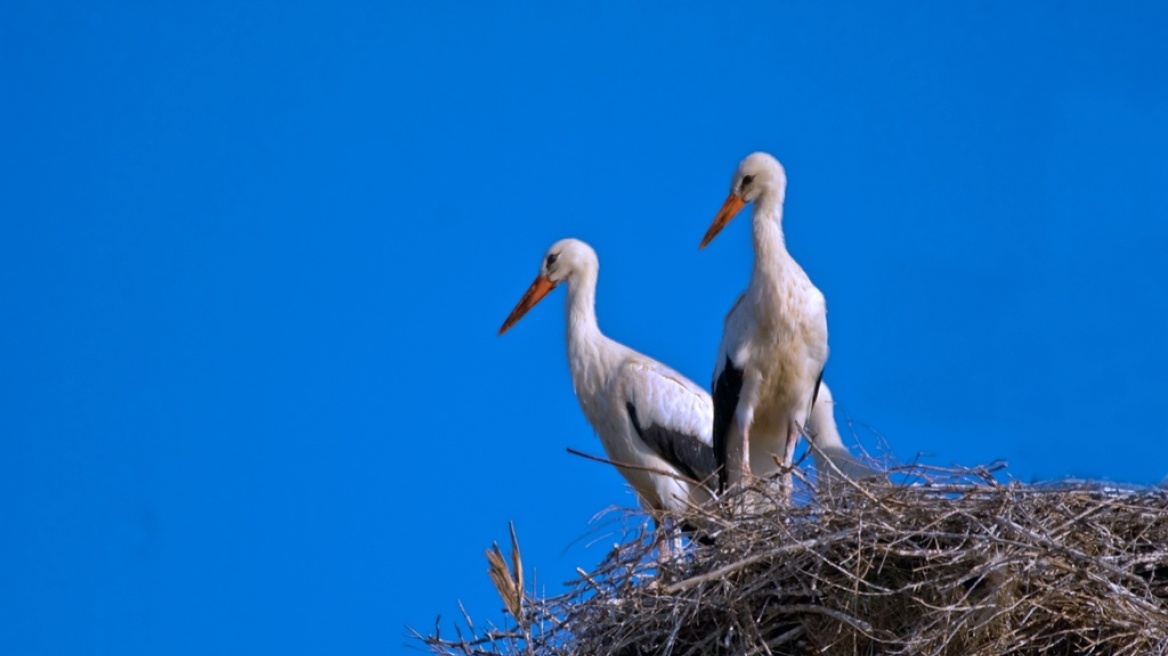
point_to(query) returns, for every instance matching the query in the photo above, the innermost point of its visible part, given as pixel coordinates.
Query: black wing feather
(726, 391)
(815, 393)
(687, 453)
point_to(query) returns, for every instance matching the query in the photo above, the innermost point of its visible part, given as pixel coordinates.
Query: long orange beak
(730, 208)
(533, 295)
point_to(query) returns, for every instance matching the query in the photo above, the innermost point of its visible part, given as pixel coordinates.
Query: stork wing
(672, 416)
(727, 383)
(727, 387)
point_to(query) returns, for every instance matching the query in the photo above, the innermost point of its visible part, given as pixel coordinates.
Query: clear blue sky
(255, 256)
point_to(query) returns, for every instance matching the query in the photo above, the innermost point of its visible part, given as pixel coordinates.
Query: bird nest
(943, 562)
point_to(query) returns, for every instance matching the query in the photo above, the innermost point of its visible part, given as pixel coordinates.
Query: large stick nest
(944, 562)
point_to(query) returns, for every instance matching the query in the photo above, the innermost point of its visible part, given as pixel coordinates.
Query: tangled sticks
(953, 563)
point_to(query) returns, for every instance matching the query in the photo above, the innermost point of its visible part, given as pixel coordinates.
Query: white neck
(771, 259)
(580, 304)
(587, 346)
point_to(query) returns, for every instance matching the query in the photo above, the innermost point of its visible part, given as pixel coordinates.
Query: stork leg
(738, 450)
(664, 544)
(793, 433)
(744, 464)
(735, 448)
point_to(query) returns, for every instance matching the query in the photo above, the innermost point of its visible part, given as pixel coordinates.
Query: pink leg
(738, 455)
(792, 442)
(664, 548)
(789, 459)
(746, 477)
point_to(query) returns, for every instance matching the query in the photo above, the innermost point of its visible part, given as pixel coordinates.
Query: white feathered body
(607, 377)
(777, 334)
(832, 459)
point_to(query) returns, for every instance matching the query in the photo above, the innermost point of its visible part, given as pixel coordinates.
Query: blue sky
(256, 256)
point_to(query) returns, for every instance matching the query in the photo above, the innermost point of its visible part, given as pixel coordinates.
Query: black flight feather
(687, 453)
(726, 391)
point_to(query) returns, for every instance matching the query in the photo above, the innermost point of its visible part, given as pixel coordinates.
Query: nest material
(951, 563)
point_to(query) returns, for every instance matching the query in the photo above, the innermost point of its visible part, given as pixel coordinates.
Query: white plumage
(833, 461)
(646, 414)
(774, 340)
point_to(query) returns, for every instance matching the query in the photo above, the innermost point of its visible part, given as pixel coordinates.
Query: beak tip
(730, 208)
(537, 291)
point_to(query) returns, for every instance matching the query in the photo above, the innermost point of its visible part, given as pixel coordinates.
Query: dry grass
(953, 562)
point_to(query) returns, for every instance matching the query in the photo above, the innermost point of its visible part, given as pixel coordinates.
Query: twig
(622, 465)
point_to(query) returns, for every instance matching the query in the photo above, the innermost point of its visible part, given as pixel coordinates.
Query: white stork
(774, 340)
(833, 461)
(646, 414)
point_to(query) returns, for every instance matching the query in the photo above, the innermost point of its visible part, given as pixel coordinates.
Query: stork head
(756, 175)
(566, 259)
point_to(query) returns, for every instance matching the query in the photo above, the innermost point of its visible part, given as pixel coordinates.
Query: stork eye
(747, 180)
(551, 259)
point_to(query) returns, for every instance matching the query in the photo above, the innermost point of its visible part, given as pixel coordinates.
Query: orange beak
(730, 208)
(533, 295)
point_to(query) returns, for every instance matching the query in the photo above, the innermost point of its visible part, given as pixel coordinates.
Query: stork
(774, 339)
(654, 423)
(833, 461)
